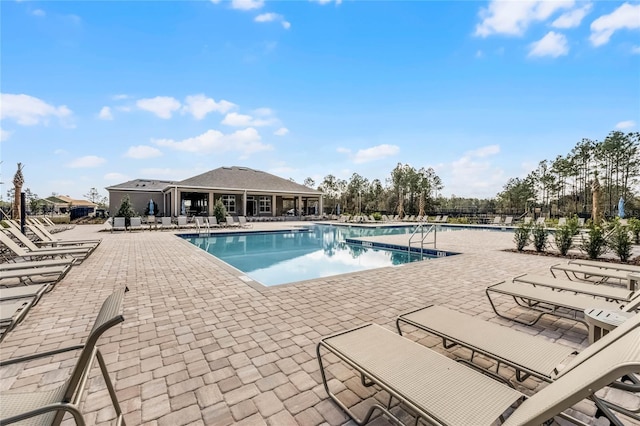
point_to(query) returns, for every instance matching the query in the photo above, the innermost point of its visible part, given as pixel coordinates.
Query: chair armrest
(40, 355)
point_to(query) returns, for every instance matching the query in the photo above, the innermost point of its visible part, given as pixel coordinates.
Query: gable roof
(146, 185)
(242, 178)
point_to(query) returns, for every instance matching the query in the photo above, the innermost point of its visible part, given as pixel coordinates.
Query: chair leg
(112, 391)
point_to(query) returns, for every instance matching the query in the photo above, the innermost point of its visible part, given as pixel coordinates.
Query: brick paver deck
(200, 346)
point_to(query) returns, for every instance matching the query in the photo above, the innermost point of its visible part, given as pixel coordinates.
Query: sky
(95, 93)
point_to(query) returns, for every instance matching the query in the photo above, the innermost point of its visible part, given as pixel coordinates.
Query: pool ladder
(430, 230)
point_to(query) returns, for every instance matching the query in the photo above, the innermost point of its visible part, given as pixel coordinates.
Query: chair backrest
(11, 245)
(497, 220)
(444, 219)
(213, 220)
(615, 360)
(44, 230)
(38, 233)
(562, 221)
(118, 222)
(200, 221)
(508, 220)
(166, 221)
(182, 220)
(108, 316)
(242, 220)
(229, 220)
(136, 222)
(540, 220)
(23, 239)
(527, 220)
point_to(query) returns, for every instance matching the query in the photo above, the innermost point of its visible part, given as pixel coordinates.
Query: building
(63, 204)
(243, 191)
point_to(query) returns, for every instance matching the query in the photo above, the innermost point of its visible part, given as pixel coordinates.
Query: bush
(377, 216)
(220, 211)
(521, 236)
(540, 236)
(574, 225)
(595, 245)
(564, 239)
(620, 242)
(634, 227)
(126, 210)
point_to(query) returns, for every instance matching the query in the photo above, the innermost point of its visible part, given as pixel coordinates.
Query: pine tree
(126, 210)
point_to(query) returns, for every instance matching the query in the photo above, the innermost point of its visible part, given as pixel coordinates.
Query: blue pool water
(273, 258)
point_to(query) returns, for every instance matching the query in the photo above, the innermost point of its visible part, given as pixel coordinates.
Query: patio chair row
(440, 391)
(32, 269)
(200, 223)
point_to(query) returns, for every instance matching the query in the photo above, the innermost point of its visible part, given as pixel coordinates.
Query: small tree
(595, 245)
(220, 211)
(126, 210)
(521, 236)
(540, 236)
(634, 227)
(564, 238)
(620, 242)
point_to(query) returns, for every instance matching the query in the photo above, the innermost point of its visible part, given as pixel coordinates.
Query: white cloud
(142, 151)
(572, 18)
(105, 114)
(281, 131)
(38, 12)
(552, 44)
(263, 112)
(247, 4)
(635, 50)
(245, 141)
(514, 17)
(120, 97)
(199, 106)
(28, 111)
(271, 17)
(116, 177)
(626, 124)
(323, 2)
(4, 134)
(243, 120)
(162, 106)
(624, 17)
(375, 153)
(474, 174)
(86, 162)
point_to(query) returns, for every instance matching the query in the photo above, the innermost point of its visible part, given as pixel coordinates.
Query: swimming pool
(280, 257)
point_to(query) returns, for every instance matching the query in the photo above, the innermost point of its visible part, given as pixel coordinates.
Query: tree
(94, 196)
(309, 182)
(220, 211)
(126, 210)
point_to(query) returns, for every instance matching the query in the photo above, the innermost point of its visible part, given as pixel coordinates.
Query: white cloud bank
(552, 44)
(142, 151)
(162, 106)
(572, 18)
(105, 114)
(29, 111)
(234, 119)
(86, 162)
(4, 135)
(247, 4)
(200, 105)
(245, 141)
(281, 131)
(273, 17)
(371, 154)
(514, 17)
(473, 174)
(628, 124)
(624, 17)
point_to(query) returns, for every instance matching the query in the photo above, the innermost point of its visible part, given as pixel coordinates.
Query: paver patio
(199, 346)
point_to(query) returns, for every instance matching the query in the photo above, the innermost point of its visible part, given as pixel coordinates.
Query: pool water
(273, 258)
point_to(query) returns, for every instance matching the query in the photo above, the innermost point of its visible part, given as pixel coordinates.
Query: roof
(146, 185)
(64, 199)
(241, 178)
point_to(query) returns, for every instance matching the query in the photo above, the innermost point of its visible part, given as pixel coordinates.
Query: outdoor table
(601, 321)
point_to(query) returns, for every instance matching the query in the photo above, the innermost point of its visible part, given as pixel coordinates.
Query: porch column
(176, 202)
(244, 203)
(320, 206)
(299, 205)
(211, 203)
(273, 205)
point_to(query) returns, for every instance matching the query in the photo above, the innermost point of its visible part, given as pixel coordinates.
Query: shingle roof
(244, 178)
(142, 185)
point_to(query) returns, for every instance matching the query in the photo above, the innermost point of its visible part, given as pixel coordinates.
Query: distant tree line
(559, 187)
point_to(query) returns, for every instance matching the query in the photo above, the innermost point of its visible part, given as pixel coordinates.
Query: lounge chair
(12, 312)
(581, 222)
(558, 303)
(119, 224)
(49, 406)
(22, 254)
(591, 273)
(444, 219)
(508, 221)
(231, 223)
(213, 222)
(135, 224)
(182, 223)
(47, 239)
(562, 221)
(9, 266)
(165, 223)
(540, 221)
(606, 265)
(201, 224)
(497, 220)
(151, 222)
(441, 391)
(242, 222)
(30, 245)
(26, 275)
(24, 292)
(605, 291)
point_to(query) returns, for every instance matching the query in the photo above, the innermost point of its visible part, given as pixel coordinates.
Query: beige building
(243, 191)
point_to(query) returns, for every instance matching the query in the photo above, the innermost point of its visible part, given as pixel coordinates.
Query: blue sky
(97, 93)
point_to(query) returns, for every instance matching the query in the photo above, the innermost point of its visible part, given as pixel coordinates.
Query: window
(229, 202)
(265, 204)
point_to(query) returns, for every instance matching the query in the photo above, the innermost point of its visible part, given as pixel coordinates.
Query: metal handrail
(424, 235)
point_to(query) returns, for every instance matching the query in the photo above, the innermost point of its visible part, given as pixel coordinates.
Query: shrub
(126, 210)
(564, 238)
(377, 216)
(574, 225)
(620, 242)
(595, 245)
(521, 236)
(220, 211)
(540, 236)
(634, 227)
